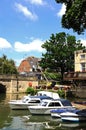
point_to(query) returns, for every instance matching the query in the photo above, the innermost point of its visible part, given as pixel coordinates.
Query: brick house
(28, 65)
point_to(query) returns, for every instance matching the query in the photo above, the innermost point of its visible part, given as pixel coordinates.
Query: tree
(59, 56)
(7, 66)
(75, 15)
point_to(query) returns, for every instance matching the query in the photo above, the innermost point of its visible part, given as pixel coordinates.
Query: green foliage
(7, 66)
(75, 15)
(59, 56)
(61, 93)
(53, 75)
(69, 94)
(30, 90)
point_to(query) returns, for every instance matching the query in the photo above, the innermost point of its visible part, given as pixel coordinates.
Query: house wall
(29, 64)
(80, 58)
(24, 66)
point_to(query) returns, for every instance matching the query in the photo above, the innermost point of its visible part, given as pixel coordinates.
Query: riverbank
(79, 106)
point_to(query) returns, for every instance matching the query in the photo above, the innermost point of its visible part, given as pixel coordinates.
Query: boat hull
(21, 106)
(40, 110)
(55, 113)
(73, 117)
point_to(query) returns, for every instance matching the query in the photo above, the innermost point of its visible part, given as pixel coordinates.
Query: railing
(75, 75)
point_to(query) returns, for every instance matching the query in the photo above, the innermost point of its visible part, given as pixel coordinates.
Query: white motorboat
(55, 113)
(53, 95)
(26, 101)
(32, 100)
(75, 116)
(47, 105)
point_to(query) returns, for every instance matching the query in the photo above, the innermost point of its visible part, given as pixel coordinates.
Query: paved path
(79, 106)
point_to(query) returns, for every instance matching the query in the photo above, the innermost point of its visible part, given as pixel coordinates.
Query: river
(23, 120)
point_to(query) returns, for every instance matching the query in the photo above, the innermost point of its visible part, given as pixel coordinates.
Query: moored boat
(75, 116)
(47, 105)
(26, 101)
(32, 100)
(55, 113)
(53, 95)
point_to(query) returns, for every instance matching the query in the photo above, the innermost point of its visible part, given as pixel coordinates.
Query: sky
(26, 24)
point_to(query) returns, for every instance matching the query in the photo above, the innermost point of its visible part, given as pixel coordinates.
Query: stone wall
(81, 93)
(21, 85)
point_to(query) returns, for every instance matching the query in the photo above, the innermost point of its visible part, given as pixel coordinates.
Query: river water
(23, 120)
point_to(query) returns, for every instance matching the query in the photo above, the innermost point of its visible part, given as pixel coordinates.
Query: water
(23, 120)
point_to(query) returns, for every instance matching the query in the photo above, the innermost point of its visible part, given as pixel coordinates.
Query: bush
(61, 93)
(30, 90)
(69, 94)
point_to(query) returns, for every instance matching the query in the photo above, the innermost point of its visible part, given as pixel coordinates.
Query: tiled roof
(33, 61)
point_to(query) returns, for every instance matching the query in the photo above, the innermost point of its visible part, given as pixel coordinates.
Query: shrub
(61, 93)
(30, 90)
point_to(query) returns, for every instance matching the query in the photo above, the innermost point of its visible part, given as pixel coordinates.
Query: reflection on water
(73, 125)
(47, 122)
(23, 120)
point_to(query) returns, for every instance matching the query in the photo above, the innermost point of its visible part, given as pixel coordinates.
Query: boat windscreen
(43, 103)
(66, 103)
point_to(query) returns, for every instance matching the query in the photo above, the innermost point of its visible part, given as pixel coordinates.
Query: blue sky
(26, 24)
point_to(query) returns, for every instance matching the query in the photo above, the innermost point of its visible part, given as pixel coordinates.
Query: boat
(74, 116)
(53, 95)
(55, 113)
(32, 100)
(26, 101)
(47, 105)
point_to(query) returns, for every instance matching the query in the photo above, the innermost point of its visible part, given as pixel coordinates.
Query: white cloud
(83, 41)
(18, 61)
(37, 2)
(4, 43)
(26, 12)
(62, 10)
(35, 45)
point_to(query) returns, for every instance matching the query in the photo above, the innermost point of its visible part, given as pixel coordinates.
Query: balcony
(75, 76)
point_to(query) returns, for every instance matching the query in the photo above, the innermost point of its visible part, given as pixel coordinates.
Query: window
(66, 103)
(83, 67)
(57, 104)
(34, 101)
(82, 56)
(43, 103)
(53, 104)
